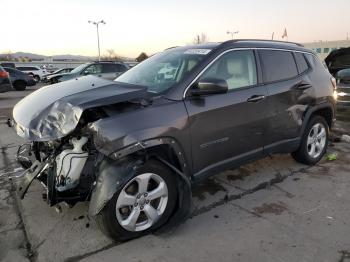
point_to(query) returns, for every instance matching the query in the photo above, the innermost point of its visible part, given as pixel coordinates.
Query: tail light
(4, 74)
(334, 83)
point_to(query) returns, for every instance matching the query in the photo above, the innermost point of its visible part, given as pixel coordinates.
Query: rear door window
(108, 68)
(301, 62)
(121, 68)
(278, 65)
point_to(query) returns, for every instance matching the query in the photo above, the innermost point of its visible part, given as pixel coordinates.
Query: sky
(52, 27)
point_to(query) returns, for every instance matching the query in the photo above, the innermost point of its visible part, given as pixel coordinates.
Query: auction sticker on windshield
(197, 51)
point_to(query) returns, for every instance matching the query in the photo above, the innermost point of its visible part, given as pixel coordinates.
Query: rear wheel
(314, 142)
(19, 85)
(143, 204)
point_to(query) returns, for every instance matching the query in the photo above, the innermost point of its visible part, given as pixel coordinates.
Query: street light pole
(232, 33)
(98, 35)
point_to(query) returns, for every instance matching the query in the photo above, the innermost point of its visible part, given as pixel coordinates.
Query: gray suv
(106, 70)
(135, 147)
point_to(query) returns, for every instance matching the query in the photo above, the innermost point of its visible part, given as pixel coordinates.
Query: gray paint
(208, 133)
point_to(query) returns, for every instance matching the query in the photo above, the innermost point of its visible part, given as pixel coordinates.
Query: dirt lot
(270, 210)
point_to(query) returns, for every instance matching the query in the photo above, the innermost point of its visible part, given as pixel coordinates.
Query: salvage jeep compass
(134, 146)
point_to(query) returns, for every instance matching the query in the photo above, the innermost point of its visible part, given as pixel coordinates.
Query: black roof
(106, 61)
(256, 43)
(250, 43)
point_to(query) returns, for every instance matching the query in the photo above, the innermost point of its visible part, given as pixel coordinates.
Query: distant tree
(141, 57)
(111, 55)
(8, 56)
(200, 39)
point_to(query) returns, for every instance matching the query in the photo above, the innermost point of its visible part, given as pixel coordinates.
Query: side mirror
(85, 73)
(210, 86)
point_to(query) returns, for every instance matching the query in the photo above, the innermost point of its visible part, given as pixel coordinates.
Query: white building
(323, 48)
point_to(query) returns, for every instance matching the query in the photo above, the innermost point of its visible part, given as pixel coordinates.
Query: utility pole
(232, 33)
(98, 35)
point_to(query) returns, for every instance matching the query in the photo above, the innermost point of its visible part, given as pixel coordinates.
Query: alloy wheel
(316, 140)
(142, 202)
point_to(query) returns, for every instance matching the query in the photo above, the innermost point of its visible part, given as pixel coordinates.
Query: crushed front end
(55, 120)
(64, 167)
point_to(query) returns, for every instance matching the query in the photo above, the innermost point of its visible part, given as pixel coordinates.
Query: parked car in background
(337, 60)
(19, 79)
(343, 89)
(134, 146)
(338, 63)
(35, 71)
(53, 77)
(106, 70)
(8, 64)
(5, 82)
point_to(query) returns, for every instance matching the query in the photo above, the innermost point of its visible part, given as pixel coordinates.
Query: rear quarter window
(278, 65)
(121, 68)
(315, 62)
(301, 62)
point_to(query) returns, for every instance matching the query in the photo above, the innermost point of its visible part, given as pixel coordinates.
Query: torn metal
(54, 111)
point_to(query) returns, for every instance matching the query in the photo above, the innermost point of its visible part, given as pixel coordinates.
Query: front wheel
(37, 78)
(143, 204)
(54, 80)
(314, 142)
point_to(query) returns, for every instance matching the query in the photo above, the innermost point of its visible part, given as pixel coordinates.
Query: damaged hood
(337, 60)
(54, 111)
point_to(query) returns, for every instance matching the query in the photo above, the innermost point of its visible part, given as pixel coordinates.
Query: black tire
(302, 155)
(54, 80)
(37, 78)
(107, 219)
(20, 85)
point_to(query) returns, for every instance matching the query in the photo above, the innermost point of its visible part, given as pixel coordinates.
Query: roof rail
(262, 40)
(170, 47)
(107, 61)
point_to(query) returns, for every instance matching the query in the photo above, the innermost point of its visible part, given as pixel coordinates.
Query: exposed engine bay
(65, 169)
(62, 154)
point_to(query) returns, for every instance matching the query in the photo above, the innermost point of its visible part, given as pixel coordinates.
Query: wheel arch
(325, 110)
(165, 149)
(116, 169)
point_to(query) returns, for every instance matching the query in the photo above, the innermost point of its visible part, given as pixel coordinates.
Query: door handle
(303, 85)
(255, 98)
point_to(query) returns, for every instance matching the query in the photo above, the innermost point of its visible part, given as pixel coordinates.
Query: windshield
(78, 69)
(163, 70)
(59, 71)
